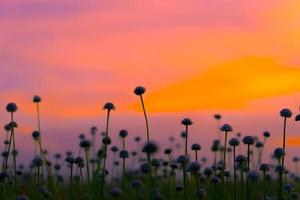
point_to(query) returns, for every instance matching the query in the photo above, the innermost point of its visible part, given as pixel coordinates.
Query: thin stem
(234, 172)
(87, 165)
(186, 140)
(224, 161)
(147, 126)
(283, 145)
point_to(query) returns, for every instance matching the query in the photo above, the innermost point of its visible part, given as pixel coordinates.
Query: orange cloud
(227, 86)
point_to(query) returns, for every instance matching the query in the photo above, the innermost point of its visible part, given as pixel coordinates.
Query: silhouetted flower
(259, 144)
(155, 162)
(208, 171)
(36, 99)
(248, 140)
(137, 138)
(168, 151)
(240, 159)
(136, 183)
(124, 154)
(279, 153)
(85, 144)
(196, 147)
(297, 118)
(266, 134)
(139, 90)
(145, 168)
(37, 162)
(11, 107)
(286, 113)
(217, 116)
(253, 176)
(186, 122)
(94, 130)
(194, 167)
(182, 159)
(109, 106)
(36, 135)
(106, 140)
(150, 148)
(264, 167)
(114, 149)
(226, 128)
(234, 142)
(123, 133)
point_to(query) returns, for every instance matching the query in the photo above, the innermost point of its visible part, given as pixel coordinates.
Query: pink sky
(237, 58)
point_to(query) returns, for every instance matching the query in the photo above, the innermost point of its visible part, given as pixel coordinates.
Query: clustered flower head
(139, 90)
(123, 133)
(286, 113)
(226, 128)
(11, 107)
(186, 122)
(249, 140)
(109, 106)
(234, 142)
(36, 99)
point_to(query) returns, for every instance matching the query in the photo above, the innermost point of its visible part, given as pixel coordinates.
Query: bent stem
(224, 162)
(147, 126)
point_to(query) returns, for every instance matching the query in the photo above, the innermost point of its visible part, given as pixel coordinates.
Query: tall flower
(85, 144)
(285, 113)
(225, 128)
(139, 91)
(36, 100)
(186, 122)
(106, 141)
(218, 118)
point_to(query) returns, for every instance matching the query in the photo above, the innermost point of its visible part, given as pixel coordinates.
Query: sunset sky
(195, 57)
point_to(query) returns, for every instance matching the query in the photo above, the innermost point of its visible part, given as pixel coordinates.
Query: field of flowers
(166, 175)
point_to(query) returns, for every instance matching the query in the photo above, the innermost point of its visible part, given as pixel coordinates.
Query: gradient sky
(195, 57)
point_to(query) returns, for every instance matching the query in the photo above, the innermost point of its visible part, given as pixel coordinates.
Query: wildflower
(114, 149)
(139, 90)
(279, 153)
(196, 147)
(85, 144)
(136, 183)
(253, 176)
(234, 142)
(36, 99)
(194, 167)
(266, 134)
(208, 171)
(123, 133)
(145, 168)
(109, 106)
(287, 113)
(150, 148)
(264, 167)
(248, 140)
(11, 107)
(36, 135)
(124, 154)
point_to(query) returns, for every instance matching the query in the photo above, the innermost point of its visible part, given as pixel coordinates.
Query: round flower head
(106, 140)
(173, 165)
(295, 159)
(182, 159)
(69, 153)
(70, 160)
(123, 133)
(136, 183)
(266, 134)
(264, 167)
(297, 118)
(289, 188)
(226, 128)
(94, 130)
(13, 124)
(145, 168)
(217, 116)
(279, 153)
(139, 90)
(137, 138)
(81, 136)
(57, 167)
(234, 142)
(124, 154)
(208, 171)
(109, 106)
(85, 144)
(259, 144)
(248, 140)
(36, 135)
(183, 134)
(37, 162)
(155, 162)
(168, 151)
(186, 122)
(11, 107)
(79, 162)
(279, 169)
(253, 176)
(36, 99)
(286, 113)
(201, 193)
(114, 149)
(240, 159)
(7, 127)
(196, 147)
(194, 167)
(150, 148)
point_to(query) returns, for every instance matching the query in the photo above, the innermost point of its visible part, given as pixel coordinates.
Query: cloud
(227, 86)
